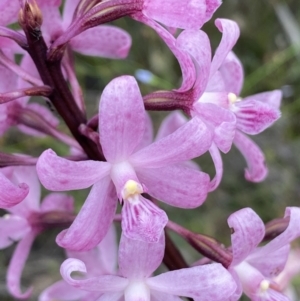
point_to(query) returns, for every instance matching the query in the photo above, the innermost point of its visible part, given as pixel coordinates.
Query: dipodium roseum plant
(134, 179)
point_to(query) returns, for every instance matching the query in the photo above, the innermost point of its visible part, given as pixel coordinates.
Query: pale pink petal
(184, 59)
(12, 229)
(104, 41)
(222, 123)
(257, 169)
(11, 194)
(108, 251)
(230, 33)
(103, 284)
(218, 162)
(176, 185)
(52, 23)
(93, 219)
(103, 258)
(16, 265)
(110, 297)
(9, 12)
(68, 11)
(254, 116)
(272, 98)
(211, 7)
(159, 296)
(139, 259)
(272, 264)
(187, 14)
(49, 3)
(148, 134)
(216, 84)
(239, 289)
(196, 43)
(143, 220)
(121, 118)
(170, 124)
(60, 174)
(27, 174)
(232, 73)
(189, 141)
(57, 202)
(292, 232)
(208, 282)
(62, 291)
(247, 230)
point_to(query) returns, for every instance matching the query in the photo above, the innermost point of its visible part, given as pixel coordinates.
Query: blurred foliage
(271, 61)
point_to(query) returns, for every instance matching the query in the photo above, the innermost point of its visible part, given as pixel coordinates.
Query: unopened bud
(30, 16)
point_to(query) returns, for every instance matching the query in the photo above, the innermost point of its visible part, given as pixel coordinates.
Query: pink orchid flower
(129, 171)
(98, 261)
(137, 261)
(253, 267)
(24, 222)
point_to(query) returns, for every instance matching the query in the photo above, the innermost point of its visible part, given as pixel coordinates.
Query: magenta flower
(129, 171)
(253, 267)
(137, 261)
(99, 261)
(24, 222)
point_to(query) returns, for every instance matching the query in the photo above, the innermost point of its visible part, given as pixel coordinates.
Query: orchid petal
(8, 12)
(272, 264)
(215, 84)
(93, 219)
(148, 134)
(272, 98)
(230, 34)
(103, 284)
(217, 159)
(143, 220)
(254, 116)
(184, 59)
(239, 289)
(104, 41)
(196, 43)
(221, 121)
(110, 297)
(189, 141)
(68, 12)
(52, 23)
(291, 232)
(248, 231)
(60, 174)
(176, 185)
(10, 193)
(170, 124)
(232, 73)
(211, 7)
(207, 282)
(121, 118)
(180, 14)
(31, 203)
(12, 228)
(57, 202)
(139, 259)
(159, 296)
(103, 258)
(62, 291)
(257, 169)
(16, 266)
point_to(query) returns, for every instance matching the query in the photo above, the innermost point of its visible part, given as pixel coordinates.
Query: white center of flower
(233, 98)
(264, 285)
(131, 191)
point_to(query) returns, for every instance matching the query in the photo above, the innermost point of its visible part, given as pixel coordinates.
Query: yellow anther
(264, 285)
(131, 188)
(232, 97)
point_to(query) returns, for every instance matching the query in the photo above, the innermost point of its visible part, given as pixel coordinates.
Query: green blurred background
(269, 48)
